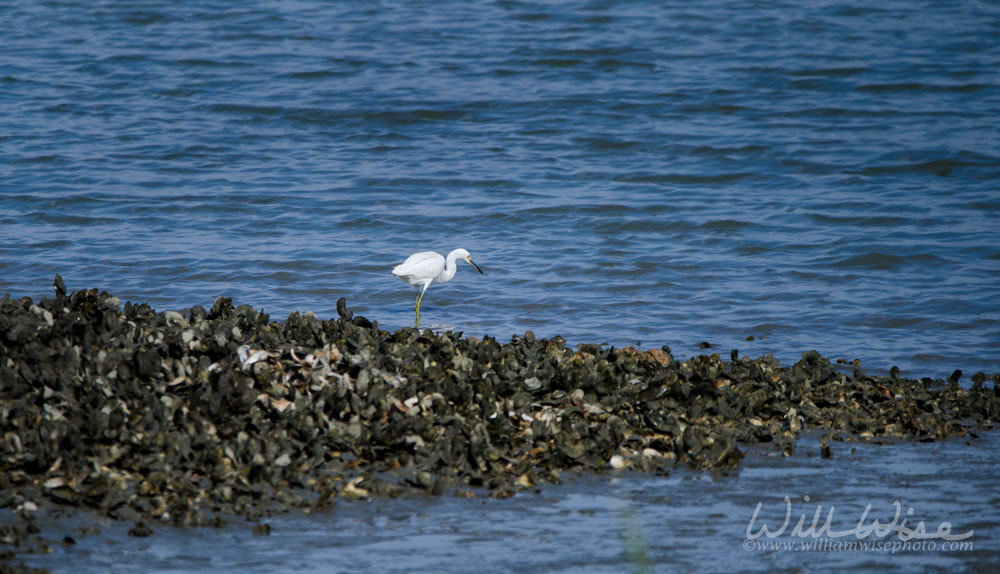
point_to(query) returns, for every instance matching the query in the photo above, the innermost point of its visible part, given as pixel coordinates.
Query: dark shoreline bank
(182, 417)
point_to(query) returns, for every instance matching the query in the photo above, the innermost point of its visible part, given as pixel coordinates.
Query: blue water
(823, 176)
(820, 175)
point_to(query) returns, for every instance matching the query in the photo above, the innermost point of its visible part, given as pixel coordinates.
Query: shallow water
(610, 523)
(820, 176)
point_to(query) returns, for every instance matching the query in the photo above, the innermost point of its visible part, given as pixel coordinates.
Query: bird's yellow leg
(419, 297)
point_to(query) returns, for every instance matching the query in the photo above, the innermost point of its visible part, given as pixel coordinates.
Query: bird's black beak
(476, 266)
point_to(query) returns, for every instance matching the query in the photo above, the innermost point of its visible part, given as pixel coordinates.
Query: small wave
(65, 219)
(198, 151)
(683, 179)
(58, 244)
(939, 167)
(126, 58)
(439, 183)
(921, 87)
(315, 75)
(727, 225)
(771, 327)
(717, 109)
(243, 109)
(611, 64)
(861, 221)
(282, 276)
(602, 144)
(886, 322)
(828, 112)
(40, 159)
(553, 62)
(932, 358)
(881, 261)
(643, 226)
(829, 72)
(748, 149)
(363, 223)
(176, 93)
(592, 209)
(885, 261)
(202, 63)
(985, 205)
(427, 114)
(388, 117)
(749, 250)
(147, 18)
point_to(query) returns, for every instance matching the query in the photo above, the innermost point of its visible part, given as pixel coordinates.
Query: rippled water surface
(821, 176)
(815, 175)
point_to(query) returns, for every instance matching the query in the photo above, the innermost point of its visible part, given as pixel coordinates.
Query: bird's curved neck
(449, 266)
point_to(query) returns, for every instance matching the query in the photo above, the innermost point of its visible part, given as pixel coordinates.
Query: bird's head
(463, 254)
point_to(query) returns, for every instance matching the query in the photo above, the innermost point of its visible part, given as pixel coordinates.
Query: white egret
(422, 269)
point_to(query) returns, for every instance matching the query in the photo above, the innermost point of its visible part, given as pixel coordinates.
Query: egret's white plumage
(422, 269)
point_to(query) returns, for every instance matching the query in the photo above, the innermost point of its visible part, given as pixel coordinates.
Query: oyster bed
(184, 417)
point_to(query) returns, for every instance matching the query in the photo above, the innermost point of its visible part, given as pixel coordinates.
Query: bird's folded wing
(426, 264)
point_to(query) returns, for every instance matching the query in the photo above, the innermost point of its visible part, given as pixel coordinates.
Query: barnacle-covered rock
(175, 416)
